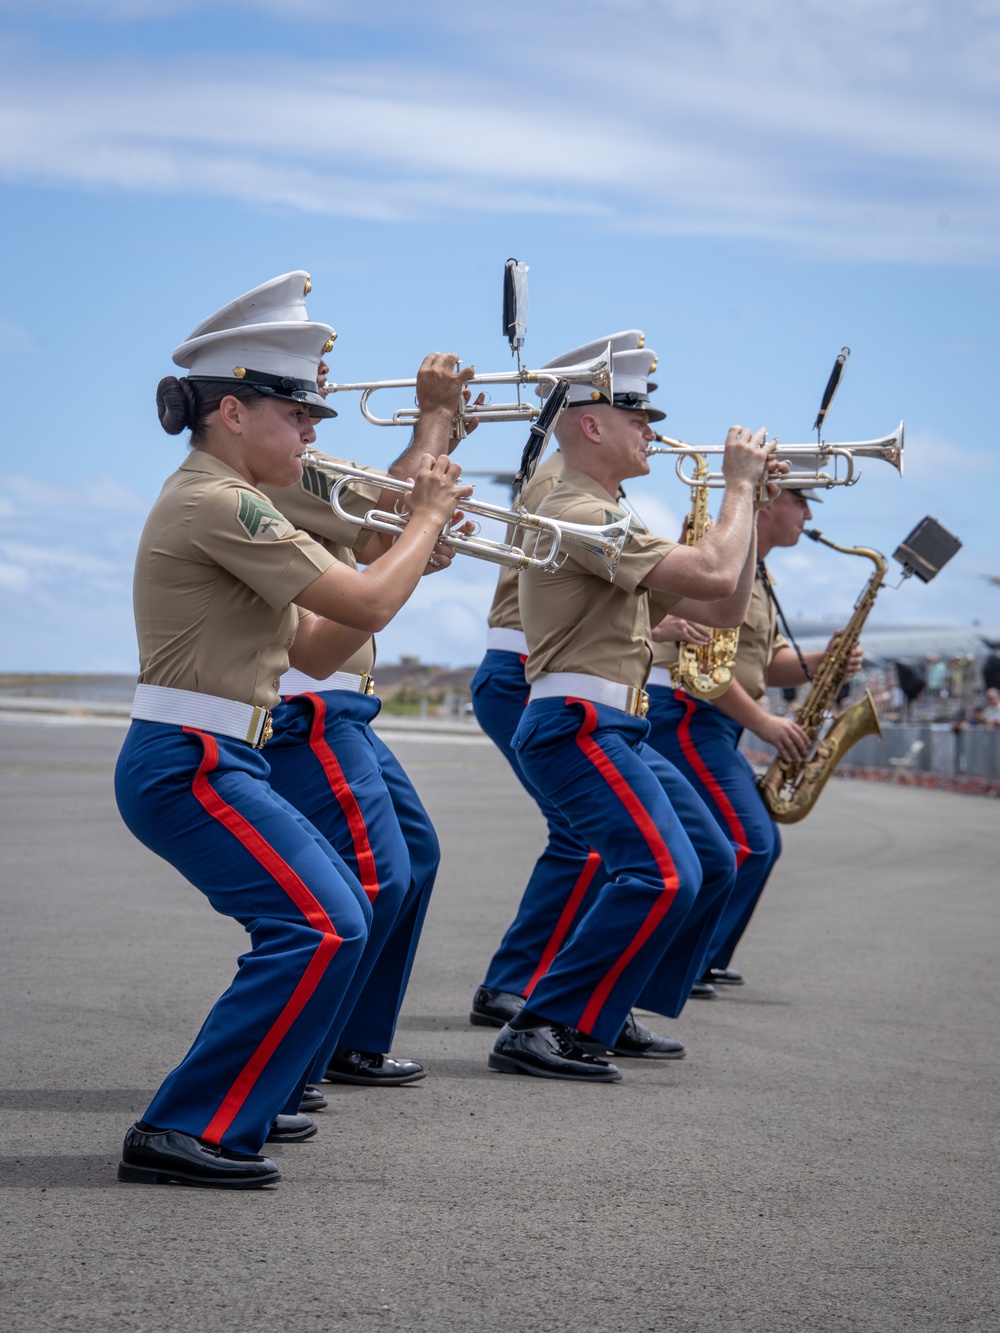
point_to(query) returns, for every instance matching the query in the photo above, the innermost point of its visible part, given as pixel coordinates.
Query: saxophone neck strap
(770, 594)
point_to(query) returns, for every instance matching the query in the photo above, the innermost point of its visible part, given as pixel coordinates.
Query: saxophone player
(702, 738)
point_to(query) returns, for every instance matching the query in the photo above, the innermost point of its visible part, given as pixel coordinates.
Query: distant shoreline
(103, 687)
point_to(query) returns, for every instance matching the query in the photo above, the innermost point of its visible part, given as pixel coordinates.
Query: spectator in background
(937, 679)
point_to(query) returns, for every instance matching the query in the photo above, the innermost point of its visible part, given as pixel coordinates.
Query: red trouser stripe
(654, 841)
(367, 870)
(565, 920)
(708, 779)
(282, 873)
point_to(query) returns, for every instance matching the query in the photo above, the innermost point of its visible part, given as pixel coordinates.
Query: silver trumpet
(808, 464)
(606, 542)
(596, 373)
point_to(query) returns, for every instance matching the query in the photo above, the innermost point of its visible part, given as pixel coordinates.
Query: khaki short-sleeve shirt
(216, 575)
(505, 612)
(759, 641)
(576, 619)
(307, 506)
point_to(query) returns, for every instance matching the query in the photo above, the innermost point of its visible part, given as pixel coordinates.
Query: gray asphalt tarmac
(824, 1159)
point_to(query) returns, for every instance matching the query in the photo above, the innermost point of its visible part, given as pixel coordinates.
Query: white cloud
(66, 557)
(864, 131)
(23, 495)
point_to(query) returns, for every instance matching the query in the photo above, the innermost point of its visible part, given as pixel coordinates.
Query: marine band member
(568, 872)
(702, 736)
(581, 738)
(221, 581)
(331, 765)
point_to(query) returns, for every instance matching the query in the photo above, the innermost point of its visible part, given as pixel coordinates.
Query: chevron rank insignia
(316, 483)
(260, 518)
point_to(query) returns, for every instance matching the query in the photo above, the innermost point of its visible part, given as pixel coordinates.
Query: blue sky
(754, 185)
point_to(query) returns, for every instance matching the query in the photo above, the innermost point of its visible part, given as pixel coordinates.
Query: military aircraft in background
(890, 643)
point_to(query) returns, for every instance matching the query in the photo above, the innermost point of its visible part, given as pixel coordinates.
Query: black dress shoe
(170, 1157)
(312, 1100)
(638, 1042)
(723, 976)
(635, 1042)
(493, 1008)
(701, 990)
(291, 1129)
(549, 1051)
(372, 1069)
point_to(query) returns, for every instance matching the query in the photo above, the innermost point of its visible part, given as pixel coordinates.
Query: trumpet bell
(597, 373)
(605, 542)
(888, 450)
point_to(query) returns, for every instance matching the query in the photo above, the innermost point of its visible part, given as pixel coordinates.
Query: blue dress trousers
(704, 744)
(203, 803)
(643, 938)
(568, 872)
(328, 762)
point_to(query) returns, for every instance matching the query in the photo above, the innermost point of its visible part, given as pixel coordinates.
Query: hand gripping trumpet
(596, 373)
(554, 538)
(807, 463)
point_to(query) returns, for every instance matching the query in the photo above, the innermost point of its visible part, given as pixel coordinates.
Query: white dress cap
(279, 359)
(626, 341)
(630, 369)
(278, 301)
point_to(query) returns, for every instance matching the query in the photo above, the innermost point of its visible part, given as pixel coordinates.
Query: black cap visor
(285, 387)
(638, 402)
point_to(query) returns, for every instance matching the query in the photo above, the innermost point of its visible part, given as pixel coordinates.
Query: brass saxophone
(704, 670)
(791, 787)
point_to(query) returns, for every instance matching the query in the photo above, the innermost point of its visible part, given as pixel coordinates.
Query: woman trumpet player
(701, 737)
(227, 593)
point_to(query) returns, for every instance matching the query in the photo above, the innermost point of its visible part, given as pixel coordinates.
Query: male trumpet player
(702, 737)
(581, 738)
(569, 871)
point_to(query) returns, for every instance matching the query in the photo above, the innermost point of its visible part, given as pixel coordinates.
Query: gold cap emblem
(595, 396)
(308, 287)
(328, 345)
(240, 372)
(642, 341)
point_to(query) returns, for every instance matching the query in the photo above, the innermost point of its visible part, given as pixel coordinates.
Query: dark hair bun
(176, 404)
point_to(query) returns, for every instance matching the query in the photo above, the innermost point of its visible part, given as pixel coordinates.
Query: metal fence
(969, 752)
(972, 752)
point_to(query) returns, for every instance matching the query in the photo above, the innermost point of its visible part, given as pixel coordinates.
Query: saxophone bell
(790, 787)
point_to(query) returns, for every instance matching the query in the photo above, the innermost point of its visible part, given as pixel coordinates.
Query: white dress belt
(205, 712)
(557, 684)
(507, 641)
(297, 682)
(660, 676)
